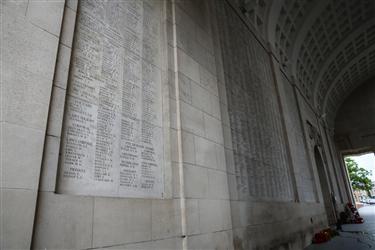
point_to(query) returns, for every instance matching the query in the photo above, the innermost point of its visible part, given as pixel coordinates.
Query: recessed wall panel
(112, 142)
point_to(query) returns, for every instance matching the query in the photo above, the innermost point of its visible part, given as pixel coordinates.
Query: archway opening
(361, 170)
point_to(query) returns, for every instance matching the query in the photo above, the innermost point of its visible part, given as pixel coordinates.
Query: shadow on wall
(355, 121)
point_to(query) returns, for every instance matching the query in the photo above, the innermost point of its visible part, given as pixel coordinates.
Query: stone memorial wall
(259, 149)
(113, 126)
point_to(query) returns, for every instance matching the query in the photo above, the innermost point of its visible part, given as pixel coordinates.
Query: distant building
(361, 195)
(372, 192)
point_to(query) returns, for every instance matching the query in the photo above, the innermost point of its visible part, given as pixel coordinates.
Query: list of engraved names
(112, 138)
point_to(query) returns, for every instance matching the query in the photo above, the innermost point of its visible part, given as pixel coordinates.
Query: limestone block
(166, 218)
(13, 7)
(192, 119)
(119, 221)
(196, 181)
(205, 39)
(223, 240)
(185, 21)
(50, 163)
(225, 114)
(188, 150)
(185, 37)
(168, 168)
(67, 29)
(201, 98)
(63, 222)
(220, 158)
(197, 10)
(217, 185)
(26, 99)
(213, 129)
(227, 135)
(46, 14)
(222, 92)
(56, 113)
(29, 57)
(73, 4)
(262, 212)
(200, 241)
(1, 102)
(200, 55)
(208, 81)
(170, 33)
(226, 214)
(240, 239)
(211, 214)
(174, 243)
(205, 59)
(229, 159)
(192, 216)
(188, 66)
(148, 245)
(215, 105)
(62, 66)
(169, 6)
(232, 184)
(205, 152)
(17, 218)
(168, 244)
(21, 156)
(185, 88)
(240, 218)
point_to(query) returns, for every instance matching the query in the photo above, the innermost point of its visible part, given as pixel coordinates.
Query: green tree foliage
(358, 176)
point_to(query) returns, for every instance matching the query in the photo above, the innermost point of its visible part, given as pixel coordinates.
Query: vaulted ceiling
(326, 46)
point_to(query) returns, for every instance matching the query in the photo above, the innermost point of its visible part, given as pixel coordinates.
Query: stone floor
(354, 236)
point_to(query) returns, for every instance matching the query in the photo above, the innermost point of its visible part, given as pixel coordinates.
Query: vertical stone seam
(308, 153)
(324, 134)
(92, 221)
(179, 130)
(2, 240)
(220, 70)
(49, 113)
(334, 163)
(285, 133)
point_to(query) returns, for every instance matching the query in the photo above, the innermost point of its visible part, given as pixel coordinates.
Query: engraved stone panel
(261, 163)
(113, 138)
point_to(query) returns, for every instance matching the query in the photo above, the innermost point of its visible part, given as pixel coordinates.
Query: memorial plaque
(260, 160)
(112, 143)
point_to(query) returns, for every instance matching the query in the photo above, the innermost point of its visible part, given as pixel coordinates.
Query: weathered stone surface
(223, 129)
(46, 14)
(17, 218)
(49, 169)
(196, 179)
(67, 29)
(119, 221)
(113, 139)
(62, 66)
(166, 218)
(55, 117)
(71, 217)
(261, 162)
(21, 156)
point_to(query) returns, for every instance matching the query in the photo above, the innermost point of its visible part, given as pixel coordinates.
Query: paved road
(354, 236)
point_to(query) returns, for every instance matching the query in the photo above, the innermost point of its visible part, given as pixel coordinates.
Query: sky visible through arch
(366, 161)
